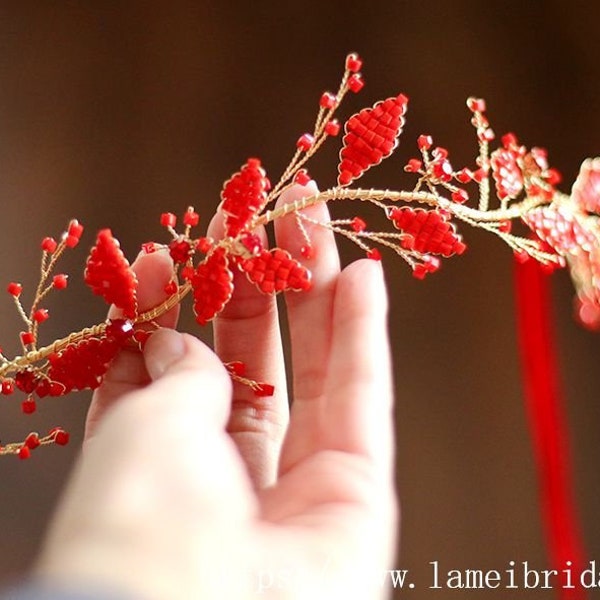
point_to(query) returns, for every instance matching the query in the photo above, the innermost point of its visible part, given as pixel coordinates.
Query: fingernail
(164, 348)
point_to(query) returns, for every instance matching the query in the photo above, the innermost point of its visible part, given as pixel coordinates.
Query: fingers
(357, 409)
(310, 323)
(247, 330)
(127, 372)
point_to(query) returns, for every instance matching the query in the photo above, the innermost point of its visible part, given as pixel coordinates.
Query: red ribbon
(549, 431)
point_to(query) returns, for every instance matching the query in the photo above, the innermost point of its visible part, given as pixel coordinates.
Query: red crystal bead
(14, 289)
(374, 254)
(60, 281)
(307, 251)
(328, 100)
(8, 387)
(505, 226)
(305, 142)
(464, 175)
(480, 175)
(553, 177)
(356, 82)
(40, 315)
(302, 177)
(460, 196)
(332, 128)
(353, 62)
(419, 271)
(180, 250)
(191, 218)
(358, 224)
(49, 244)
(237, 367)
(61, 437)
(28, 406)
(71, 241)
(521, 256)
(32, 441)
(442, 170)
(264, 389)
(168, 220)
(26, 380)
(75, 229)
(476, 104)
(24, 452)
(509, 140)
(171, 288)
(27, 337)
(119, 330)
(413, 165)
(204, 244)
(424, 142)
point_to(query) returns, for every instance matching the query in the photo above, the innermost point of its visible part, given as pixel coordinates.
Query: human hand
(184, 492)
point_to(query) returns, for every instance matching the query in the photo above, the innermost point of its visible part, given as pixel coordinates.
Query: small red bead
(119, 329)
(353, 62)
(302, 177)
(41, 315)
(32, 441)
(49, 244)
(460, 196)
(204, 244)
(424, 142)
(24, 452)
(141, 336)
(264, 389)
(8, 387)
(75, 229)
(521, 256)
(332, 128)
(553, 176)
(191, 218)
(327, 100)
(148, 247)
(307, 251)
(60, 281)
(61, 437)
(480, 175)
(28, 406)
(374, 254)
(14, 289)
(187, 272)
(432, 263)
(180, 250)
(487, 135)
(27, 337)
(356, 83)
(413, 166)
(464, 175)
(440, 152)
(442, 170)
(419, 271)
(408, 242)
(71, 241)
(509, 140)
(305, 142)
(358, 224)
(171, 288)
(168, 220)
(476, 104)
(505, 226)
(237, 367)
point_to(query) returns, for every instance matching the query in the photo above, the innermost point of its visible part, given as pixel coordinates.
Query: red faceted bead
(332, 128)
(505, 226)
(509, 141)
(14, 289)
(553, 177)
(464, 175)
(353, 62)
(460, 196)
(356, 82)
(264, 389)
(237, 367)
(27, 337)
(26, 380)
(28, 406)
(41, 315)
(49, 244)
(328, 100)
(480, 175)
(305, 142)
(61, 437)
(71, 241)
(413, 166)
(191, 218)
(171, 288)
(424, 142)
(75, 229)
(180, 250)
(302, 177)
(119, 330)
(374, 254)
(371, 135)
(8, 387)
(476, 104)
(60, 281)
(442, 170)
(307, 251)
(168, 220)
(521, 256)
(32, 441)
(358, 224)
(419, 271)
(24, 452)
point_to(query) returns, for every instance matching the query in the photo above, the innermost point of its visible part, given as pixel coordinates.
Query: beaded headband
(559, 230)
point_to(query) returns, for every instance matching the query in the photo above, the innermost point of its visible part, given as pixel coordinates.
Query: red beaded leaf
(212, 282)
(506, 173)
(243, 196)
(371, 135)
(431, 231)
(109, 275)
(559, 227)
(586, 189)
(274, 271)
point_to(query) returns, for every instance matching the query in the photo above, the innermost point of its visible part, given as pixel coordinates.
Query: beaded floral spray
(563, 231)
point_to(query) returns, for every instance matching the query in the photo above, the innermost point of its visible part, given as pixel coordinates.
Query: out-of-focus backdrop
(115, 111)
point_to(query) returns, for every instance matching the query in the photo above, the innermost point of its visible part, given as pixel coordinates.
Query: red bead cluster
(108, 274)
(427, 231)
(243, 196)
(371, 136)
(274, 271)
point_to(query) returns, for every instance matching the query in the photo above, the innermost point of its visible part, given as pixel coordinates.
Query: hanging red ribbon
(549, 431)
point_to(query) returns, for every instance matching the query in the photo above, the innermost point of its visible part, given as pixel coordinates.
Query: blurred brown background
(117, 111)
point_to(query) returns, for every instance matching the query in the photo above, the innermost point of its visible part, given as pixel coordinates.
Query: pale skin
(189, 488)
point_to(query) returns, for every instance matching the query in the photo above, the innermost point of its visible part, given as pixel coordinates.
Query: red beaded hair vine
(563, 231)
